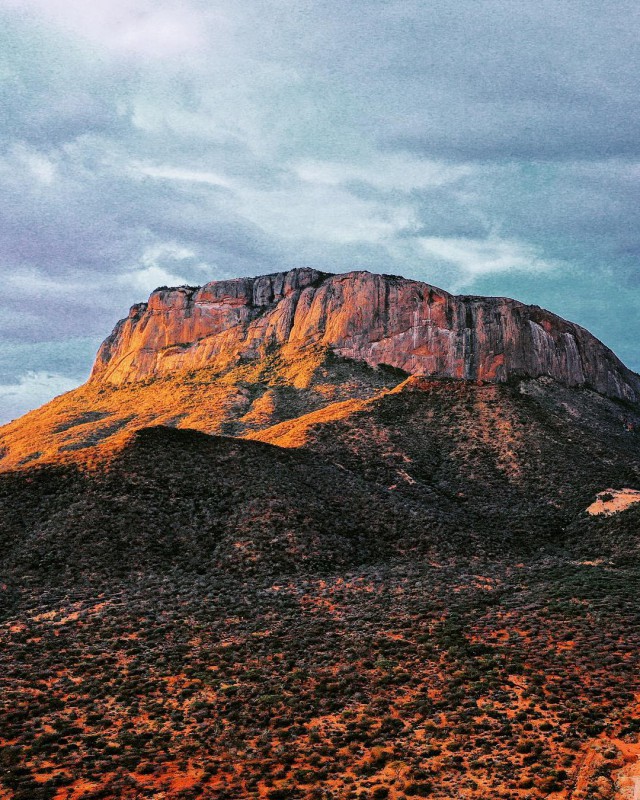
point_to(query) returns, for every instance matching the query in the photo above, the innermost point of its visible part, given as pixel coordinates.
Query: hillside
(427, 466)
(230, 402)
(412, 601)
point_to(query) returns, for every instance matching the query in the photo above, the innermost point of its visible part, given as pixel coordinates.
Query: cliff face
(378, 319)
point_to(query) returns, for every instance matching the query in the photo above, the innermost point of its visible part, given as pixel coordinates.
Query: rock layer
(378, 319)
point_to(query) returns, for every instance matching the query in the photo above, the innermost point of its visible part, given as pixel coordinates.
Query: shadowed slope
(429, 468)
(379, 612)
(530, 456)
(168, 498)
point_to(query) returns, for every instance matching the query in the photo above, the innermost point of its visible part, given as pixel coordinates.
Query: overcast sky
(484, 146)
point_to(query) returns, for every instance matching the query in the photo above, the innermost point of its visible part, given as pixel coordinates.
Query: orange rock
(378, 319)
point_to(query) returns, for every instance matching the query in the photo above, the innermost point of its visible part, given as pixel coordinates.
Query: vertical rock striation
(378, 319)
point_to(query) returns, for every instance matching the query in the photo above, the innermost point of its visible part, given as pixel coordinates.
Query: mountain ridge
(369, 317)
(239, 356)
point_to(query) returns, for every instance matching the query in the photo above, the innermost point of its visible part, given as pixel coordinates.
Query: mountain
(239, 355)
(311, 536)
(376, 319)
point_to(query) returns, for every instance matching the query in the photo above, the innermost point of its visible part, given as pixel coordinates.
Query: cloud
(476, 257)
(72, 357)
(161, 265)
(52, 90)
(38, 165)
(387, 172)
(181, 174)
(480, 82)
(143, 28)
(30, 391)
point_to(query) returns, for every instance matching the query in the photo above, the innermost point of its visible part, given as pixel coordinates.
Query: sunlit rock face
(378, 319)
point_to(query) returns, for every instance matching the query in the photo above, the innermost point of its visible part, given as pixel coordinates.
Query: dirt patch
(612, 501)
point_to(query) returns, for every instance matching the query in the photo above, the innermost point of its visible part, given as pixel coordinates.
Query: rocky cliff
(377, 319)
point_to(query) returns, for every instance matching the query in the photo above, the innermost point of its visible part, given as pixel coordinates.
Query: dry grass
(234, 401)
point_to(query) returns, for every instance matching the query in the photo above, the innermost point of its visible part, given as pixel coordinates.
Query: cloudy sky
(485, 146)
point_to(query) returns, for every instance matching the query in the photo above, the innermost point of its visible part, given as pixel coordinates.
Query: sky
(483, 146)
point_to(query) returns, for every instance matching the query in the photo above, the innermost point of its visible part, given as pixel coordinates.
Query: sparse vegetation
(414, 604)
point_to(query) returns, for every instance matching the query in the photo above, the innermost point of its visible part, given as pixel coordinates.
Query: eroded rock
(378, 319)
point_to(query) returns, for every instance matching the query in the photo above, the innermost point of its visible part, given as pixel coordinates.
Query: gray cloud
(53, 90)
(483, 80)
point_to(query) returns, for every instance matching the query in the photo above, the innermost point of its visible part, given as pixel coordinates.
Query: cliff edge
(377, 319)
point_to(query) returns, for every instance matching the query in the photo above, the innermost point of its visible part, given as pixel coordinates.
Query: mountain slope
(411, 601)
(528, 455)
(428, 468)
(167, 498)
(241, 399)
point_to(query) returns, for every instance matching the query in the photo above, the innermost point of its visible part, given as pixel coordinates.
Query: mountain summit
(376, 319)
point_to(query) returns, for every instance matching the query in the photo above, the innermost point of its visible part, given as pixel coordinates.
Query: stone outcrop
(378, 319)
